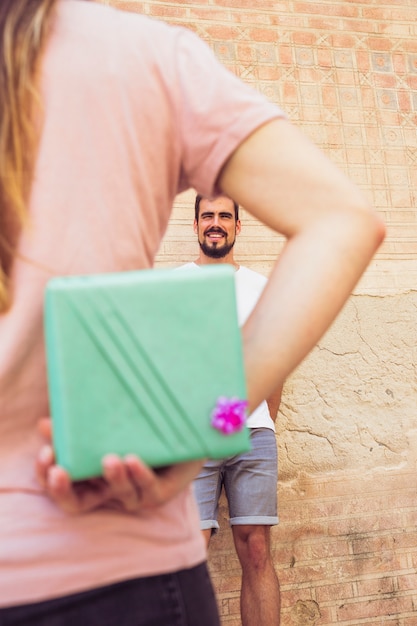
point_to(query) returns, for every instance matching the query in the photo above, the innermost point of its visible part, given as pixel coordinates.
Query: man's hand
(127, 484)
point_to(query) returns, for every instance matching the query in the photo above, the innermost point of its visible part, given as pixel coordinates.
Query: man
(249, 480)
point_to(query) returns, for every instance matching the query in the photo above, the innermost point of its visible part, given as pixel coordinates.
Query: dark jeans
(184, 598)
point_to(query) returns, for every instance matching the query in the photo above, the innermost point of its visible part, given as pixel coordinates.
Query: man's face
(216, 227)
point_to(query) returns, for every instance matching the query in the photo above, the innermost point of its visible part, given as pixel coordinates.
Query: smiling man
(250, 479)
(216, 224)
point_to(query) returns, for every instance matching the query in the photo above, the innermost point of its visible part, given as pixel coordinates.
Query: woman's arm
(288, 184)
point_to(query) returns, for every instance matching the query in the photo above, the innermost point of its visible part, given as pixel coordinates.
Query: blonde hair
(23, 28)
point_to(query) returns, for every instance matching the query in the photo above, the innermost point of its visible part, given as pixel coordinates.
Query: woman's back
(134, 112)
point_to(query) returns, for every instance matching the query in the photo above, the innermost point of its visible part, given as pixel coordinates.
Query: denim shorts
(250, 483)
(183, 598)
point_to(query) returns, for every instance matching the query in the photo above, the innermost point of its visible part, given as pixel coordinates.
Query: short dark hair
(200, 197)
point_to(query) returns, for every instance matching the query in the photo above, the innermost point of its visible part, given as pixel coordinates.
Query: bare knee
(252, 545)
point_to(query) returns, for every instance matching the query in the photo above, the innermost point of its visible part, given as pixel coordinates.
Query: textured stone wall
(352, 404)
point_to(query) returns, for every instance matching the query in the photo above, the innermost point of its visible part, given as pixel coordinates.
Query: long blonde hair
(23, 28)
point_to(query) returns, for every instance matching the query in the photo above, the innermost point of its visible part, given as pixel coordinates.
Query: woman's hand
(127, 484)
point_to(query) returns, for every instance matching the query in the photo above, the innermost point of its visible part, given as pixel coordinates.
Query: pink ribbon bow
(229, 415)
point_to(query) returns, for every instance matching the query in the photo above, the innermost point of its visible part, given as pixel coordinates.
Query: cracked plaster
(352, 403)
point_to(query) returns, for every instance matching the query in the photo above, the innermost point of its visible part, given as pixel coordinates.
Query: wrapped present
(146, 362)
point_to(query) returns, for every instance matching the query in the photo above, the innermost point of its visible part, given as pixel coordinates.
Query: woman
(105, 117)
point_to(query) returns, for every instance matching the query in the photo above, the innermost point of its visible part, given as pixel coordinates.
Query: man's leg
(260, 594)
(207, 532)
(207, 487)
(250, 481)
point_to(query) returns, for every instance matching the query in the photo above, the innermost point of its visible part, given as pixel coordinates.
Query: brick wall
(346, 72)
(345, 552)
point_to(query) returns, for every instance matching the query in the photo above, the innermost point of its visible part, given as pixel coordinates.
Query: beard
(214, 251)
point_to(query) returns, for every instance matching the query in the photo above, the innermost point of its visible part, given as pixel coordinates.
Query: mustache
(215, 229)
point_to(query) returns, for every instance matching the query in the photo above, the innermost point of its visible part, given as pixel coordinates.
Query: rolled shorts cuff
(209, 524)
(254, 520)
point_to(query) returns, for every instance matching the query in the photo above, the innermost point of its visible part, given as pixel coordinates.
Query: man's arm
(289, 185)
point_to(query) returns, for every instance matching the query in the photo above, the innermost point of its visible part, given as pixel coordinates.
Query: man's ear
(238, 227)
(195, 226)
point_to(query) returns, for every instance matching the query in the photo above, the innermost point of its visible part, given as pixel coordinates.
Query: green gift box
(137, 362)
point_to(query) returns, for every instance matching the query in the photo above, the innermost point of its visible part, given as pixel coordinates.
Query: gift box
(138, 362)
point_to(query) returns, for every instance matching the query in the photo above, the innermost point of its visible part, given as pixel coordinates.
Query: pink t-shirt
(135, 111)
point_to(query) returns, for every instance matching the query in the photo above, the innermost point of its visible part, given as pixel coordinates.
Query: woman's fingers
(76, 497)
(45, 428)
(122, 489)
(127, 484)
(159, 486)
(44, 462)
